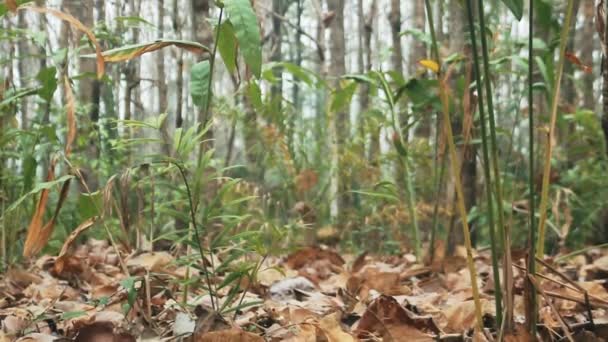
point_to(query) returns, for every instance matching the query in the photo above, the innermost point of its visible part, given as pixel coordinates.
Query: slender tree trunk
(161, 79)
(418, 52)
(23, 51)
(341, 121)
(587, 48)
(374, 143)
(179, 96)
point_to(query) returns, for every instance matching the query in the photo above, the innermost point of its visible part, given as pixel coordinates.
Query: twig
(563, 323)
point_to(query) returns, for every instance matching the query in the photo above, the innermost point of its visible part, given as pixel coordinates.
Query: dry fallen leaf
(330, 325)
(232, 335)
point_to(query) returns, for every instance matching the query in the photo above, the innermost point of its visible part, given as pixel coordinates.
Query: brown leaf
(61, 261)
(102, 332)
(307, 255)
(208, 321)
(306, 180)
(34, 231)
(11, 5)
(79, 26)
(386, 318)
(330, 325)
(232, 335)
(576, 61)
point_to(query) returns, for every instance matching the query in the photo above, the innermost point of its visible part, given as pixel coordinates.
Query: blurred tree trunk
(341, 121)
(202, 33)
(23, 53)
(457, 20)
(418, 52)
(179, 91)
(570, 96)
(295, 95)
(161, 78)
(88, 91)
(320, 69)
(394, 19)
(587, 48)
(374, 144)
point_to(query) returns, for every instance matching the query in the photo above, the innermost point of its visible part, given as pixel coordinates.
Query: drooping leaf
(199, 83)
(247, 31)
(227, 45)
(127, 52)
(516, 7)
(79, 26)
(48, 80)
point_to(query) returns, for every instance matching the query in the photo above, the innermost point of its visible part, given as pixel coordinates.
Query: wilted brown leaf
(232, 335)
(386, 318)
(330, 325)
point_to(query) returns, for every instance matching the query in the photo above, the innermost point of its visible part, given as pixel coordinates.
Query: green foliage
(247, 32)
(516, 7)
(199, 83)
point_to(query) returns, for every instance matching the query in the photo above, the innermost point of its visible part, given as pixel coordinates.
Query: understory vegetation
(428, 169)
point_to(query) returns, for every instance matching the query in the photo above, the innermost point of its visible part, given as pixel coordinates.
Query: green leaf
(16, 96)
(227, 45)
(341, 98)
(247, 32)
(48, 81)
(516, 7)
(199, 83)
(254, 93)
(39, 187)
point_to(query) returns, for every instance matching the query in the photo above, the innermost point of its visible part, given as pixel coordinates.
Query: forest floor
(313, 294)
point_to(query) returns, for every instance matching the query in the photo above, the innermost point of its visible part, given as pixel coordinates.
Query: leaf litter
(313, 294)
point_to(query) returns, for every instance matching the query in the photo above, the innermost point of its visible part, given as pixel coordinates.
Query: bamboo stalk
(443, 94)
(486, 159)
(544, 196)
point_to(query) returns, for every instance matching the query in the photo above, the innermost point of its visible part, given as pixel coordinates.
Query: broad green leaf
(227, 45)
(516, 7)
(48, 81)
(199, 83)
(341, 98)
(128, 52)
(247, 32)
(254, 93)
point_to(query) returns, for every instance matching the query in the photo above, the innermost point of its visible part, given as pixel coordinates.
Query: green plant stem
(199, 243)
(504, 229)
(440, 161)
(486, 159)
(580, 251)
(404, 160)
(544, 195)
(531, 315)
(203, 124)
(443, 93)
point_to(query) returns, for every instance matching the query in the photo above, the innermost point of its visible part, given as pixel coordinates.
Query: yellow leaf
(430, 64)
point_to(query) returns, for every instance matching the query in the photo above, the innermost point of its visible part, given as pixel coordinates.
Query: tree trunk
(587, 48)
(417, 53)
(341, 120)
(161, 79)
(374, 144)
